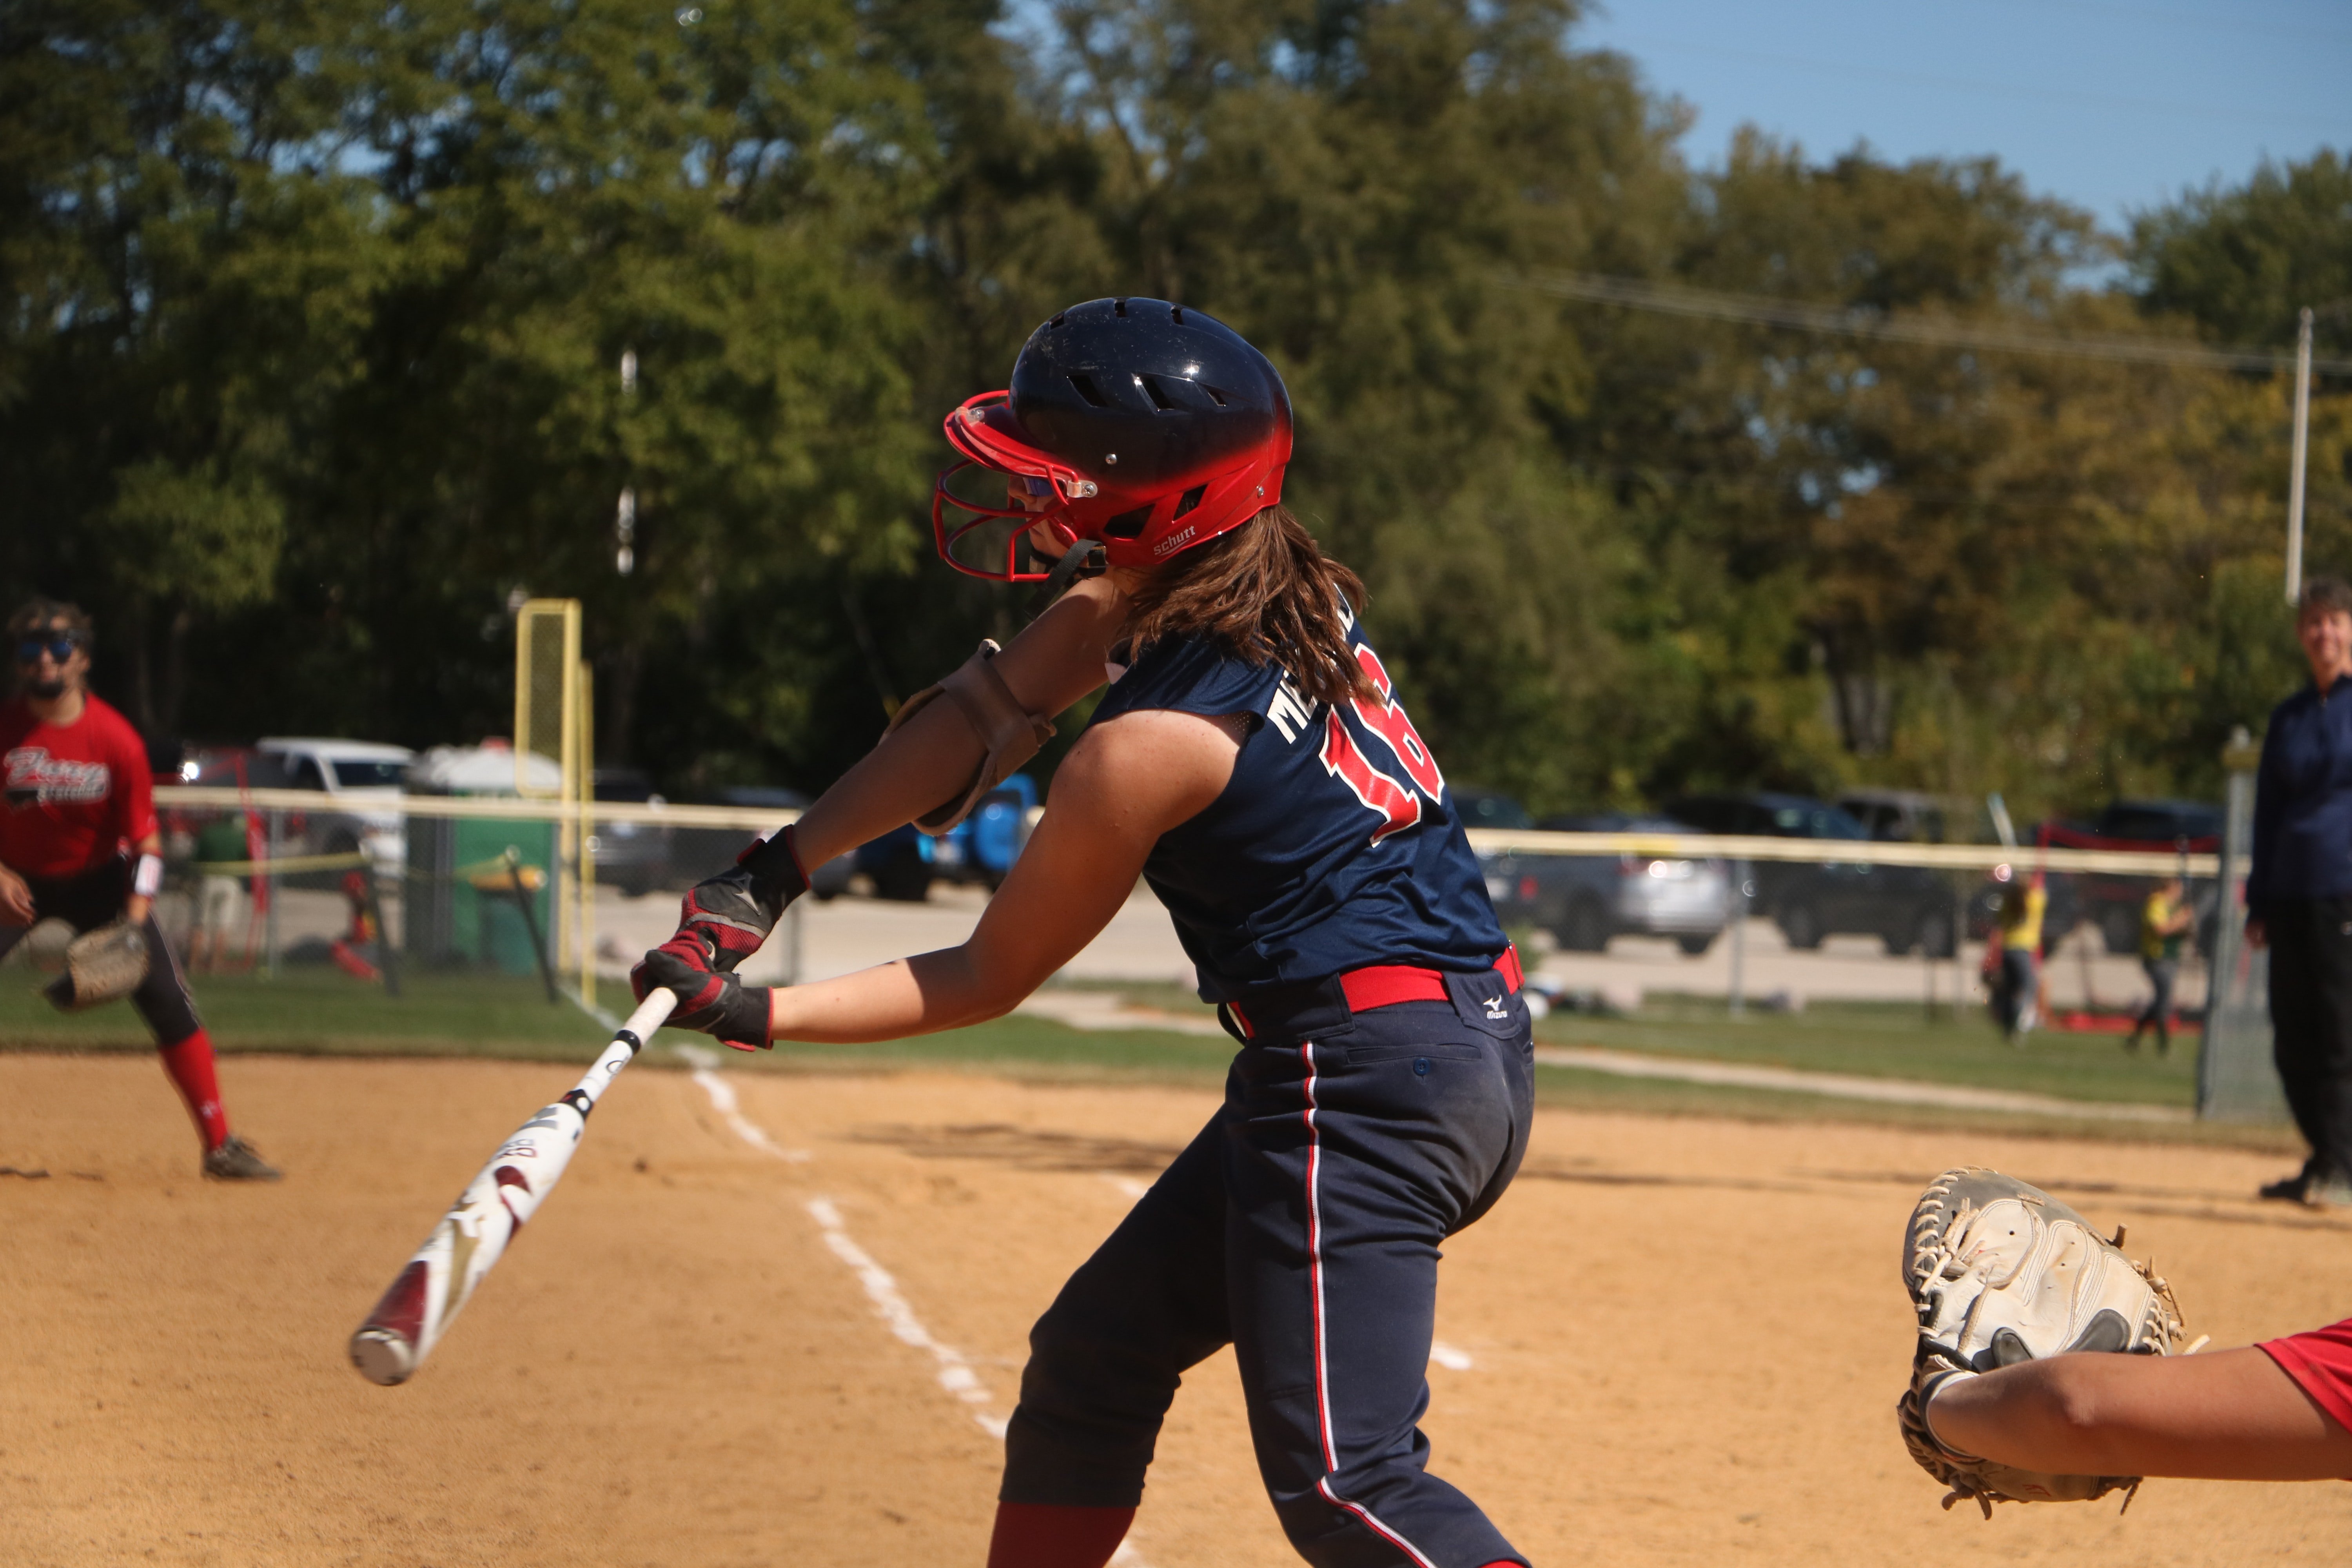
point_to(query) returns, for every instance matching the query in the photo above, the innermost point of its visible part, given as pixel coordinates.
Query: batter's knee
(1378, 1511)
(1088, 1421)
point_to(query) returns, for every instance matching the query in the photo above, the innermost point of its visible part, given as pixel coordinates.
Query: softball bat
(484, 1221)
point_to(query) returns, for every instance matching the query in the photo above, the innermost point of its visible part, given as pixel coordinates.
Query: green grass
(317, 1011)
(322, 1012)
(1888, 1039)
(1872, 1039)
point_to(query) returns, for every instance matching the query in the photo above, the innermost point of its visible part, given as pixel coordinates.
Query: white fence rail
(1487, 841)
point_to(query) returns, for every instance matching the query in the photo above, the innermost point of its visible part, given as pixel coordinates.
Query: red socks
(190, 1065)
(1045, 1535)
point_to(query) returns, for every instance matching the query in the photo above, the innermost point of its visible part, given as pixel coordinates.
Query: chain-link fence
(1609, 922)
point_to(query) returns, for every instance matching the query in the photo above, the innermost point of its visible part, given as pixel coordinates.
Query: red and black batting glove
(735, 910)
(722, 923)
(712, 1001)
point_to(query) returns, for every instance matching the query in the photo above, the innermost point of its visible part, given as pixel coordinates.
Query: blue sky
(2111, 104)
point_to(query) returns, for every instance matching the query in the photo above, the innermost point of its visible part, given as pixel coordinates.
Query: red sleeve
(135, 801)
(2320, 1363)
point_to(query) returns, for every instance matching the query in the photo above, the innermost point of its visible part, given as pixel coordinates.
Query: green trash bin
(488, 926)
(461, 903)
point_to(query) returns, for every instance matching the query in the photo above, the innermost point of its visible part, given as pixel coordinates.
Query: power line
(1987, 88)
(1679, 300)
(2234, 24)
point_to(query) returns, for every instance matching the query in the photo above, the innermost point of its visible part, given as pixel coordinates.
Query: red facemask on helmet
(1134, 423)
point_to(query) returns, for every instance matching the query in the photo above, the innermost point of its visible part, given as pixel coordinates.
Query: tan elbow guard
(1009, 734)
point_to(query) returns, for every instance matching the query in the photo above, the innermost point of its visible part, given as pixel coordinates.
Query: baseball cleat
(237, 1161)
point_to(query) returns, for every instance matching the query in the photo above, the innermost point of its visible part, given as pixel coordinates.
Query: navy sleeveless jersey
(1333, 847)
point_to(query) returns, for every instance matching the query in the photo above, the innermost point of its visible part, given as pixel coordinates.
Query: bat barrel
(471, 1238)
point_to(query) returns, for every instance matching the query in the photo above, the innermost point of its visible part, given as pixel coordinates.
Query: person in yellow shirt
(2018, 981)
(2164, 922)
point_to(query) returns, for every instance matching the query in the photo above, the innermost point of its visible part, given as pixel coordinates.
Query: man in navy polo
(2299, 894)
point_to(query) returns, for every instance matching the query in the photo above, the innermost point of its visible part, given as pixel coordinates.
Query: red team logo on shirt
(36, 778)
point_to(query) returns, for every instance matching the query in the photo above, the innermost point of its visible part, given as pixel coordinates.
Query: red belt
(1386, 984)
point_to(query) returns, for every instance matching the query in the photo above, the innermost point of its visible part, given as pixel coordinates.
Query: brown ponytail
(1266, 593)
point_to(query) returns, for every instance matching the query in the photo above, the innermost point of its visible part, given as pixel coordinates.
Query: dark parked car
(903, 863)
(1906, 907)
(634, 856)
(1585, 900)
(1896, 815)
(826, 882)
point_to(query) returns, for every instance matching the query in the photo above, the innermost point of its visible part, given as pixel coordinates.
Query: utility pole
(2301, 447)
(625, 519)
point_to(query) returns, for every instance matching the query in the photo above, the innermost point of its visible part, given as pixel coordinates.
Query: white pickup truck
(363, 779)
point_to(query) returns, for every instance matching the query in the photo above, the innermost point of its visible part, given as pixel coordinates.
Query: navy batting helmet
(1142, 424)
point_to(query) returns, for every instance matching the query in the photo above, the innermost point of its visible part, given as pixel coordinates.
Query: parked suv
(1585, 900)
(1896, 815)
(1906, 907)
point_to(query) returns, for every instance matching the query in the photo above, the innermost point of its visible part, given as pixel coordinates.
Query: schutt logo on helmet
(1153, 427)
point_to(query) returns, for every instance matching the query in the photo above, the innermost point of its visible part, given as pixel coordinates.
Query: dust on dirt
(1685, 1336)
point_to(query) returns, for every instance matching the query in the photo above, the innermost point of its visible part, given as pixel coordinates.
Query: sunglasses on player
(60, 648)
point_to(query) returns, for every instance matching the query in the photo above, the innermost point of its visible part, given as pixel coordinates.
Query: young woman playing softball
(1251, 762)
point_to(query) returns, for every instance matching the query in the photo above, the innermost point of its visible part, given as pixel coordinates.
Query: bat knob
(383, 1356)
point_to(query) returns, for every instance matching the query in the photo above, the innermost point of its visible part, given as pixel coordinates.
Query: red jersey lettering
(72, 795)
(1397, 806)
(1386, 719)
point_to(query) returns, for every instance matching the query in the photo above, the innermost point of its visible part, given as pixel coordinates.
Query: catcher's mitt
(2000, 1272)
(102, 963)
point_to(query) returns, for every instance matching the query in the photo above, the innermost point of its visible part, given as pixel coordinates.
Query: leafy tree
(315, 316)
(2242, 261)
(186, 268)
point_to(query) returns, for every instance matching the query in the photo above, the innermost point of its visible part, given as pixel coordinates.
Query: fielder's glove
(722, 923)
(2000, 1273)
(102, 963)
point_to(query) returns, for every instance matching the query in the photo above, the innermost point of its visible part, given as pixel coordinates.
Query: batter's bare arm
(1128, 782)
(1056, 660)
(929, 766)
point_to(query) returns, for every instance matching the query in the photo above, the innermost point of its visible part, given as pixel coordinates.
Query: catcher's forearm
(2228, 1415)
(1055, 660)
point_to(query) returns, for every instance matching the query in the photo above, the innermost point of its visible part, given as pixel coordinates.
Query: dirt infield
(1683, 1336)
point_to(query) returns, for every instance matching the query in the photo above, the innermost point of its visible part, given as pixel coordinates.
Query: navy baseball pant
(1302, 1226)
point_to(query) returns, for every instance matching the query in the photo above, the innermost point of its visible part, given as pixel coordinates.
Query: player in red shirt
(78, 842)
